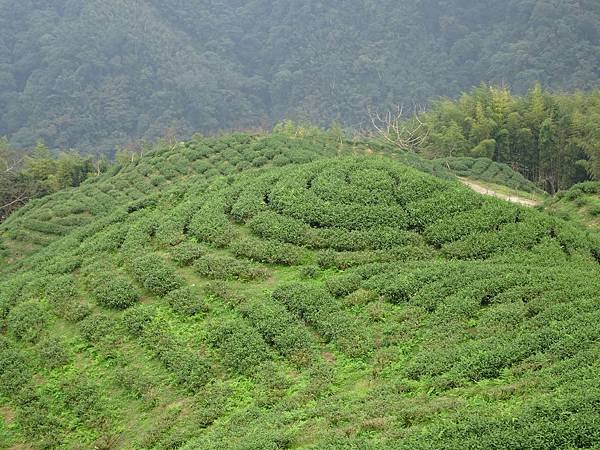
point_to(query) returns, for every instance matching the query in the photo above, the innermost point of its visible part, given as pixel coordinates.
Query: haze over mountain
(96, 74)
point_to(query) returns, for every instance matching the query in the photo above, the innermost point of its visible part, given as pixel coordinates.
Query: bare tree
(21, 198)
(406, 133)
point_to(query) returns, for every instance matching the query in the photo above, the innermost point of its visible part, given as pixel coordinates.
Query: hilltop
(295, 290)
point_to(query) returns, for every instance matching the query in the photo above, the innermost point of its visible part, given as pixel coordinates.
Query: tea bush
(136, 318)
(27, 320)
(223, 267)
(270, 252)
(185, 253)
(210, 224)
(114, 291)
(15, 369)
(99, 329)
(186, 301)
(155, 274)
(53, 352)
(280, 329)
(342, 285)
(241, 347)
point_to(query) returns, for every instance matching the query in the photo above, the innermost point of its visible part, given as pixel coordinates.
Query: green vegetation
(489, 172)
(580, 203)
(27, 176)
(110, 72)
(295, 290)
(550, 138)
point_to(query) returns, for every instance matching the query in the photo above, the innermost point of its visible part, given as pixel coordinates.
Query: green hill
(288, 291)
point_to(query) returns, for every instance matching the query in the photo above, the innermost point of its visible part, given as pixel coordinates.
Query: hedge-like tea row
(189, 368)
(280, 329)
(317, 308)
(268, 251)
(222, 267)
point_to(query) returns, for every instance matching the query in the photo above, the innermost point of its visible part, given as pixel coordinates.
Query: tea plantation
(295, 291)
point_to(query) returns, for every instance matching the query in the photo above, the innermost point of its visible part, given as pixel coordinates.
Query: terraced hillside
(295, 292)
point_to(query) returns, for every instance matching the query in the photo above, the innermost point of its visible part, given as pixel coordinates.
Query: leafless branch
(407, 134)
(20, 198)
(11, 165)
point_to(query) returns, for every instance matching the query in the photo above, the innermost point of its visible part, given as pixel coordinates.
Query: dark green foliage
(448, 47)
(155, 274)
(342, 285)
(114, 291)
(186, 301)
(53, 352)
(185, 253)
(27, 320)
(15, 369)
(265, 251)
(548, 137)
(241, 346)
(226, 267)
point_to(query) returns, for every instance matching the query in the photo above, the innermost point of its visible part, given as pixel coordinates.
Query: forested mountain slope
(288, 291)
(95, 74)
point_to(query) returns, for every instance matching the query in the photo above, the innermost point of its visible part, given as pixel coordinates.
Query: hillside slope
(110, 71)
(581, 204)
(295, 292)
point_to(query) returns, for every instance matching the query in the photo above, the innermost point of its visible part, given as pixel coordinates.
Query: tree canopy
(96, 74)
(553, 139)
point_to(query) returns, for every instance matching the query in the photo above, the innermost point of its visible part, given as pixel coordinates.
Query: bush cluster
(222, 267)
(242, 348)
(317, 308)
(155, 274)
(26, 321)
(186, 301)
(114, 291)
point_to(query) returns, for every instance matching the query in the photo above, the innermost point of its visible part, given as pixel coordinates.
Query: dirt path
(510, 198)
